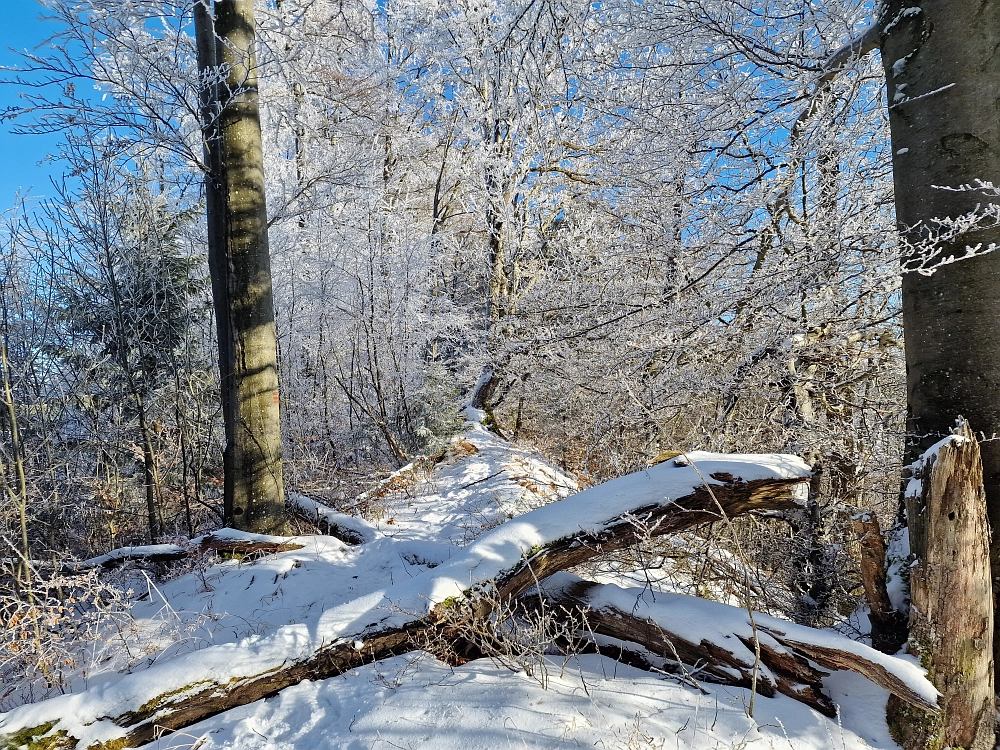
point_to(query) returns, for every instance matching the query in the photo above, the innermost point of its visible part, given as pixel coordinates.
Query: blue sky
(20, 154)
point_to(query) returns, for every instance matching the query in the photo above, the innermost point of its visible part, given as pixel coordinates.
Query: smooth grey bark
(942, 65)
(240, 266)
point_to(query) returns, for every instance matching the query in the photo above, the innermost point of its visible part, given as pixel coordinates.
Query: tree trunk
(215, 209)
(149, 472)
(951, 611)
(254, 491)
(19, 497)
(943, 76)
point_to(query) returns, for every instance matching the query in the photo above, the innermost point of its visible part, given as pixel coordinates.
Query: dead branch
(224, 541)
(784, 650)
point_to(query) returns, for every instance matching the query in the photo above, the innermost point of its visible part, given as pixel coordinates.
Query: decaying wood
(833, 658)
(793, 675)
(173, 553)
(951, 612)
(888, 624)
(704, 661)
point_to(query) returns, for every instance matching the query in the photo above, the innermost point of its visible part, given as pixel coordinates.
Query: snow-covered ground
(417, 703)
(276, 606)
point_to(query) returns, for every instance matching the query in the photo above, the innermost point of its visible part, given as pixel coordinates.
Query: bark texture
(943, 77)
(215, 212)
(951, 612)
(254, 492)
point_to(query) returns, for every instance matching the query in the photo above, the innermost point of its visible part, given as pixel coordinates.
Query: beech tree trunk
(943, 78)
(240, 264)
(951, 611)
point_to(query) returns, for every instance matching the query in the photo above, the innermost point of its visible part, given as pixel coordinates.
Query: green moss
(152, 706)
(120, 744)
(38, 738)
(912, 727)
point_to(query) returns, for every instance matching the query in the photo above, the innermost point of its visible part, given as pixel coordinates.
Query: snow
(417, 703)
(358, 526)
(904, 13)
(435, 538)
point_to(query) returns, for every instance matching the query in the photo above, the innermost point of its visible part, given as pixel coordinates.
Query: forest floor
(419, 520)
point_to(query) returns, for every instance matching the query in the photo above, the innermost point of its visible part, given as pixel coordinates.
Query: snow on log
(667, 498)
(716, 642)
(348, 529)
(229, 541)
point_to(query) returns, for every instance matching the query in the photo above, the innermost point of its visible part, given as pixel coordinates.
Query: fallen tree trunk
(499, 566)
(348, 529)
(227, 541)
(719, 643)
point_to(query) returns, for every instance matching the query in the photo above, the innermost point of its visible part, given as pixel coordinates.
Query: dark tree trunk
(943, 75)
(241, 273)
(149, 473)
(215, 208)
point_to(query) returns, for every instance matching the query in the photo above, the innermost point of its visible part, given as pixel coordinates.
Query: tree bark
(215, 210)
(254, 486)
(951, 611)
(943, 78)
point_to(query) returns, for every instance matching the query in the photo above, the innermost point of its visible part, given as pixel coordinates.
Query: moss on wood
(38, 738)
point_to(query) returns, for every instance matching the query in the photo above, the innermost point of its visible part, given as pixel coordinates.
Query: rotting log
(785, 651)
(167, 553)
(951, 610)
(348, 529)
(888, 624)
(702, 661)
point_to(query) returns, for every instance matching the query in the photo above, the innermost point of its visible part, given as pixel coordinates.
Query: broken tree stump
(951, 610)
